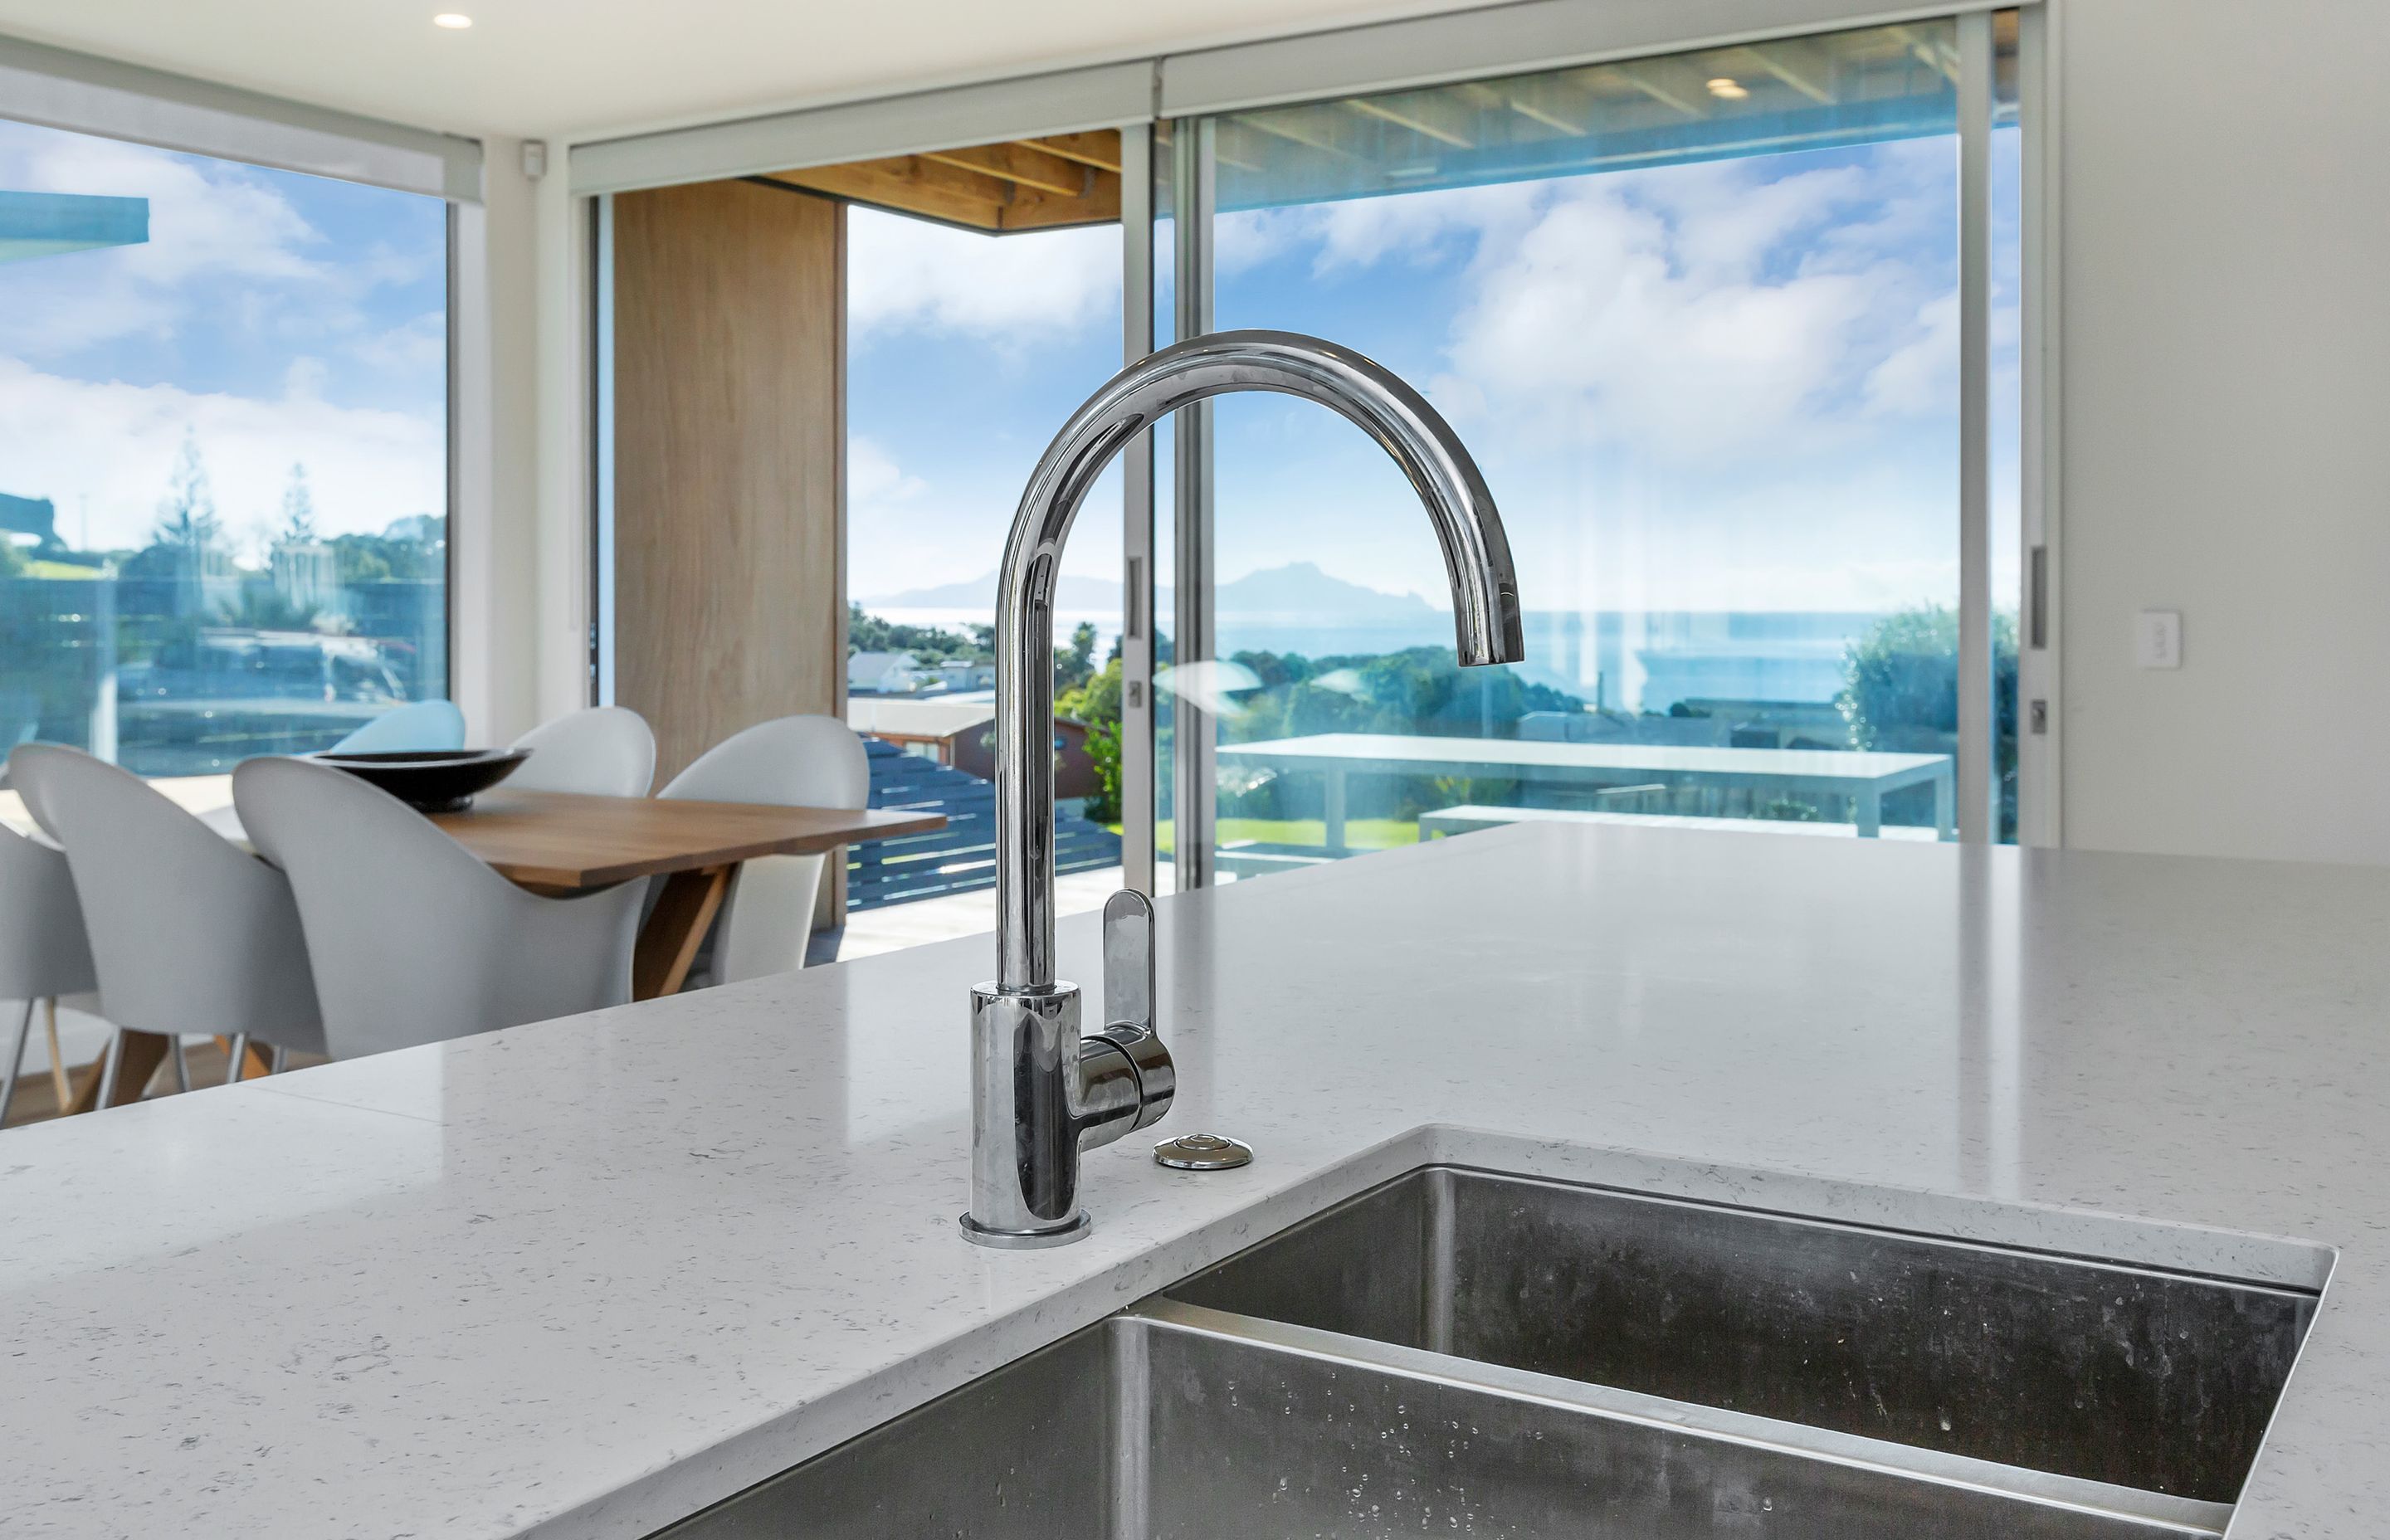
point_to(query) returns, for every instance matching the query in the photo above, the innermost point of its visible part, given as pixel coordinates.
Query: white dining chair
(415, 939)
(44, 953)
(599, 750)
(792, 761)
(189, 933)
(420, 725)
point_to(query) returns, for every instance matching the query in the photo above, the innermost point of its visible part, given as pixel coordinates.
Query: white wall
(521, 523)
(497, 451)
(2226, 410)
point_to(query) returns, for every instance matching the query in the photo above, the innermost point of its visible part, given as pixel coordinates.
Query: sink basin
(1180, 1423)
(2117, 1374)
(1464, 1353)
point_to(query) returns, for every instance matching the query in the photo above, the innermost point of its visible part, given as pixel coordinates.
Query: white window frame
(86, 94)
(59, 88)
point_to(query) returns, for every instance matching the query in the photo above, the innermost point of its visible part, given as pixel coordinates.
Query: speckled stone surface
(586, 1277)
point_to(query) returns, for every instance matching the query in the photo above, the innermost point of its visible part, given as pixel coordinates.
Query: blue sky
(276, 317)
(1726, 385)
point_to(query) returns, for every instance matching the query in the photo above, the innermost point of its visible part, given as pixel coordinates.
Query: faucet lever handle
(1128, 1013)
(1128, 960)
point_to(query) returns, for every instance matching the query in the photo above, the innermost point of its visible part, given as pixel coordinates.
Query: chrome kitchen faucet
(1040, 1092)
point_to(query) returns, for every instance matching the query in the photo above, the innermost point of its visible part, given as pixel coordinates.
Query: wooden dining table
(560, 843)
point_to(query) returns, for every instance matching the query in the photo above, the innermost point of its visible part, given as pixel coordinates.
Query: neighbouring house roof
(44, 224)
(35, 516)
(872, 665)
(917, 719)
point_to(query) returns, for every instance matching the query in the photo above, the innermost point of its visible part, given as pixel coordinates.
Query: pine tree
(298, 509)
(186, 515)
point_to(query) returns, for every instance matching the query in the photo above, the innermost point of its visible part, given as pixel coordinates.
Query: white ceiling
(586, 69)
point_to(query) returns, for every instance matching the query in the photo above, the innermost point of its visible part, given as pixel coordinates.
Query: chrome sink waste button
(1203, 1152)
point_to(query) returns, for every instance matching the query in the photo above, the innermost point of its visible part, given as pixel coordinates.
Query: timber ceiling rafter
(1046, 183)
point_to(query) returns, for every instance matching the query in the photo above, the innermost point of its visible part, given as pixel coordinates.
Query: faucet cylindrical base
(1024, 1131)
(1022, 1240)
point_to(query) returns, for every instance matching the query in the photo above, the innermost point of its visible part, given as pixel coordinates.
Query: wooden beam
(1021, 164)
(911, 183)
(1098, 147)
(1666, 82)
(1421, 112)
(1943, 60)
(1295, 125)
(1034, 208)
(1543, 101)
(1805, 66)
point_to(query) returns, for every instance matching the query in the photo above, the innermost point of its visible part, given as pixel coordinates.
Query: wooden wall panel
(730, 310)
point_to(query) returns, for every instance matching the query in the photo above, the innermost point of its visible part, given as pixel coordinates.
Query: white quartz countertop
(586, 1277)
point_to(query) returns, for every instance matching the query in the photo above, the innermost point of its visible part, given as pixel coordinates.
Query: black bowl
(435, 780)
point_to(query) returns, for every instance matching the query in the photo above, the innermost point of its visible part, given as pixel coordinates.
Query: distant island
(1298, 588)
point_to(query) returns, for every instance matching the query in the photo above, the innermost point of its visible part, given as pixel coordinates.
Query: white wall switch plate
(2157, 638)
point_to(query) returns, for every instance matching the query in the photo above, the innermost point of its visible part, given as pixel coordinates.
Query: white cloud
(1702, 311)
(1717, 386)
(206, 220)
(1922, 375)
(1417, 228)
(874, 478)
(105, 447)
(415, 349)
(909, 273)
(1245, 239)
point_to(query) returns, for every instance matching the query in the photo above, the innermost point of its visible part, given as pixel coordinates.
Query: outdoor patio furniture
(1866, 777)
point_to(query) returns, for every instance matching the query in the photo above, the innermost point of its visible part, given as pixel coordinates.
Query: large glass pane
(967, 348)
(2007, 428)
(1697, 316)
(223, 453)
(1165, 519)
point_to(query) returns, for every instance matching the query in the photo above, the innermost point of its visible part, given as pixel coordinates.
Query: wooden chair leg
(58, 1081)
(257, 1059)
(138, 1057)
(669, 942)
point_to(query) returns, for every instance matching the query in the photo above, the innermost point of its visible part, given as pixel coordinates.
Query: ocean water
(1625, 660)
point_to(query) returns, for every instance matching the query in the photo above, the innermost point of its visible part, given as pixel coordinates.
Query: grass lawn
(1359, 833)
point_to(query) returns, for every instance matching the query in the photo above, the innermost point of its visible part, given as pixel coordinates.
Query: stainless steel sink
(1467, 1354)
(2117, 1374)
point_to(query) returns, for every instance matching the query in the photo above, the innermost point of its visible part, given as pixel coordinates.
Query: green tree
(418, 555)
(186, 515)
(12, 564)
(1076, 664)
(298, 508)
(261, 609)
(1900, 689)
(868, 632)
(1095, 703)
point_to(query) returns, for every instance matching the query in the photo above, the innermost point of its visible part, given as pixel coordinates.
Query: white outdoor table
(1865, 776)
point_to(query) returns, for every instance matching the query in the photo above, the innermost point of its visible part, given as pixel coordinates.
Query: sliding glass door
(1698, 317)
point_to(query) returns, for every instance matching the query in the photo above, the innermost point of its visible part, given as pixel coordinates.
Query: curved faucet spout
(1040, 1092)
(1469, 529)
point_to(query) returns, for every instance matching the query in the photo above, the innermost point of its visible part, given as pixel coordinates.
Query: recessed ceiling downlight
(1726, 88)
(452, 20)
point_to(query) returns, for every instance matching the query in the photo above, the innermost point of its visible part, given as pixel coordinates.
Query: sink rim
(2211, 1466)
(2187, 1516)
